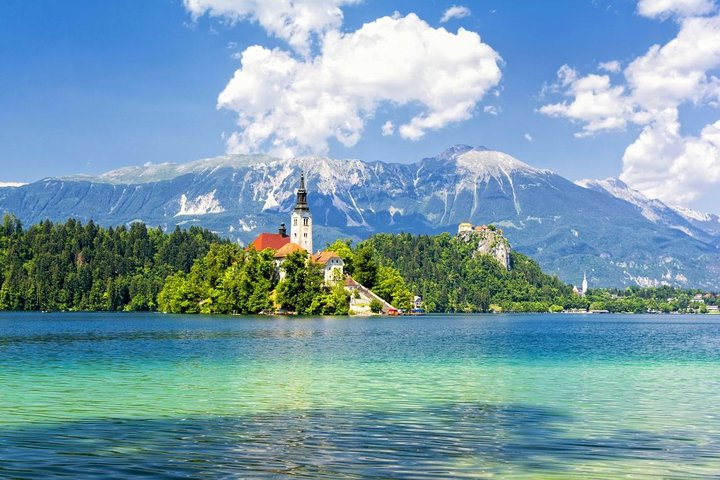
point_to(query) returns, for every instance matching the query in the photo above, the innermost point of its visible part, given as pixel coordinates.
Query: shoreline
(293, 315)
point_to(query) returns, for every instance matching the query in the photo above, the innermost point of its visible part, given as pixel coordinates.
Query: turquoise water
(517, 396)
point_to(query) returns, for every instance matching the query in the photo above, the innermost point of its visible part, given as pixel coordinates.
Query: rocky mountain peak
(452, 152)
(562, 225)
(492, 163)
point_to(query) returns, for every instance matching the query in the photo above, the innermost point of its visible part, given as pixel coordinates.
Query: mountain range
(617, 235)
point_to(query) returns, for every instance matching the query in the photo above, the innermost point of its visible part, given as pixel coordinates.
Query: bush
(376, 306)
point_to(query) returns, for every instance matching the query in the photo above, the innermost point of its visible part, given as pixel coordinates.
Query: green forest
(230, 279)
(445, 271)
(450, 277)
(71, 266)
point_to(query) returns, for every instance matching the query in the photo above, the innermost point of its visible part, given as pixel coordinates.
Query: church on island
(582, 290)
(301, 238)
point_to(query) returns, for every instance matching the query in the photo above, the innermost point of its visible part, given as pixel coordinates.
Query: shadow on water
(462, 440)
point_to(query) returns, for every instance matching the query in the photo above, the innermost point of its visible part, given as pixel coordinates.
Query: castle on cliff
(490, 241)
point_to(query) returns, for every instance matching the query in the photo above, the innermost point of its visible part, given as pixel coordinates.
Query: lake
(509, 396)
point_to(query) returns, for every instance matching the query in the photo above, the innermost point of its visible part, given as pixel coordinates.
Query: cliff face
(490, 242)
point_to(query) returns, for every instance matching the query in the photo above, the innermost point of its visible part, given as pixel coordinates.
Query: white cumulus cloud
(612, 66)
(662, 163)
(678, 8)
(677, 71)
(291, 106)
(294, 21)
(494, 110)
(455, 12)
(388, 129)
(595, 102)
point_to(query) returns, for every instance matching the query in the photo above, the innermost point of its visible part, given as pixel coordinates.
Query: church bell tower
(301, 220)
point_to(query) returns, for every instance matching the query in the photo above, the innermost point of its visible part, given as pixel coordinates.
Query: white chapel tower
(301, 220)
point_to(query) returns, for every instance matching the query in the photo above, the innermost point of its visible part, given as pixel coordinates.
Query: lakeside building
(280, 256)
(333, 266)
(273, 241)
(301, 228)
(301, 238)
(582, 290)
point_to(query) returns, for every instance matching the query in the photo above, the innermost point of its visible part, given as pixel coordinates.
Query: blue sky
(87, 86)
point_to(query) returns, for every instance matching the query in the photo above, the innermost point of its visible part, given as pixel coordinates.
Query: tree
(391, 287)
(68, 266)
(246, 286)
(172, 298)
(302, 282)
(344, 250)
(364, 265)
(331, 301)
(451, 276)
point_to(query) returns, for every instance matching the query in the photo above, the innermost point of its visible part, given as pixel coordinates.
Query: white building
(582, 290)
(301, 238)
(301, 220)
(333, 266)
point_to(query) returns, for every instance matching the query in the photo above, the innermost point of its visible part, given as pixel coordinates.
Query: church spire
(301, 228)
(301, 203)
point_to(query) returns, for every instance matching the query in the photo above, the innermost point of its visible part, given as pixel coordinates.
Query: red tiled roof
(350, 282)
(274, 241)
(323, 257)
(287, 249)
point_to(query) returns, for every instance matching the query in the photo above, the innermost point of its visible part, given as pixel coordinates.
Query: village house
(333, 266)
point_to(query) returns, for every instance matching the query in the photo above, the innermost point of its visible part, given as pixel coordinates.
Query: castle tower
(301, 220)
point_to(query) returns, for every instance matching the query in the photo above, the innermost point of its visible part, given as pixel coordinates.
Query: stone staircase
(366, 296)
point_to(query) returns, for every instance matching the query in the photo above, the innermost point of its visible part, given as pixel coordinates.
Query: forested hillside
(451, 277)
(71, 266)
(75, 266)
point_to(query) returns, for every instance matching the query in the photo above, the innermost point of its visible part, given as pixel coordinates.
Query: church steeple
(301, 231)
(301, 202)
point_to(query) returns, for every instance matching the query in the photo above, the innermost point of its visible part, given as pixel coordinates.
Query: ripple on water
(129, 396)
(465, 440)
